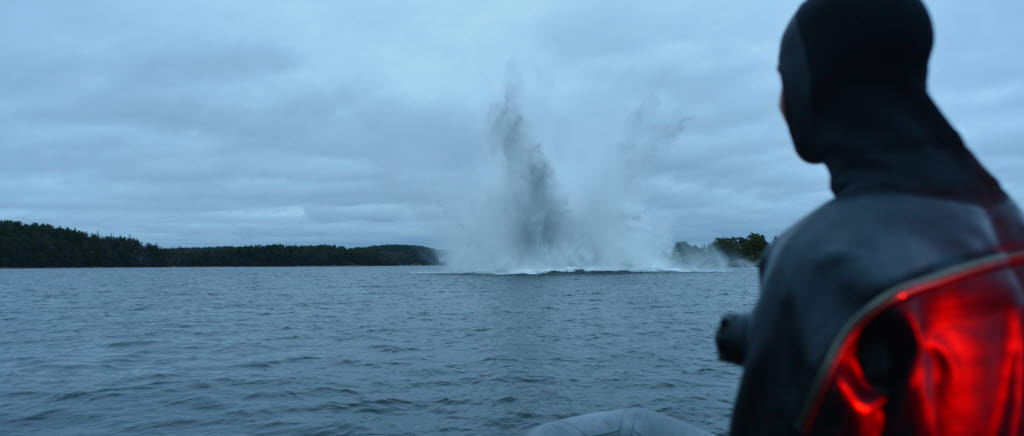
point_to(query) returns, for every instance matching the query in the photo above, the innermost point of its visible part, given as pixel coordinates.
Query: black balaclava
(854, 82)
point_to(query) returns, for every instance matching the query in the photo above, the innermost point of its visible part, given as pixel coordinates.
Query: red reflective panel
(967, 374)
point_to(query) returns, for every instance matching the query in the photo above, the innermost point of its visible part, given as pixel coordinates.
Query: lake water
(357, 350)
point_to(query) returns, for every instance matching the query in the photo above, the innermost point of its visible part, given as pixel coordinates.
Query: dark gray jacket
(910, 199)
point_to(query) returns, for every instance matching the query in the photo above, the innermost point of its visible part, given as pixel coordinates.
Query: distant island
(43, 245)
(736, 249)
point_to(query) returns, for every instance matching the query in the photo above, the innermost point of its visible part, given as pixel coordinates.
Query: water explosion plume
(522, 220)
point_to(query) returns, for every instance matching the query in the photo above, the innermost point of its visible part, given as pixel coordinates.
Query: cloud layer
(226, 123)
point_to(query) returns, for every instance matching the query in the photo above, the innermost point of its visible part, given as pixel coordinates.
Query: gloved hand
(732, 338)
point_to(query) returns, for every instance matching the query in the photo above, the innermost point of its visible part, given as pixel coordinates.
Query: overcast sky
(192, 123)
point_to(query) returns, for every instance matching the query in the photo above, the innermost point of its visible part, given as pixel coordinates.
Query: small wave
(257, 365)
(581, 270)
(198, 402)
(437, 383)
(263, 364)
(449, 401)
(38, 416)
(161, 425)
(70, 396)
(123, 344)
(270, 395)
(390, 402)
(393, 349)
(499, 359)
(22, 394)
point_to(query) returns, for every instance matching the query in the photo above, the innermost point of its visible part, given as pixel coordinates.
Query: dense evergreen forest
(749, 249)
(43, 245)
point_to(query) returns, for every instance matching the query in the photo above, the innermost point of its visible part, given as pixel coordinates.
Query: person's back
(910, 200)
(953, 344)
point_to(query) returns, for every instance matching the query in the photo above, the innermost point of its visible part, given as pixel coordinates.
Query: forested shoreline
(749, 249)
(43, 245)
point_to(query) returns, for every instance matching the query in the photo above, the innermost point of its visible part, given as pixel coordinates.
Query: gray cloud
(228, 122)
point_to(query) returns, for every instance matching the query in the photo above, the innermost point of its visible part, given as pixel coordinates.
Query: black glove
(732, 338)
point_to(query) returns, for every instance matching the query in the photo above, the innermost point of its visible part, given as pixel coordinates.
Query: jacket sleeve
(731, 338)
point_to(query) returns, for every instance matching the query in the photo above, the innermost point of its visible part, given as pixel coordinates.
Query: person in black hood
(910, 199)
(911, 202)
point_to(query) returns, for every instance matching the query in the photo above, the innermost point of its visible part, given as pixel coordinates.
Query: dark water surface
(356, 350)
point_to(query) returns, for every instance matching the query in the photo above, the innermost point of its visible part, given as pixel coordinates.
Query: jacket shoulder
(888, 232)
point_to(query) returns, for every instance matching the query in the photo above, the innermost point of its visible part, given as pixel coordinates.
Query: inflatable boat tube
(623, 422)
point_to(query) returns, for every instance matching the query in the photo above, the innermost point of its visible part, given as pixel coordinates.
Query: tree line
(43, 245)
(749, 248)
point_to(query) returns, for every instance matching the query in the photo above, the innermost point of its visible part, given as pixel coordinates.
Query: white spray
(518, 219)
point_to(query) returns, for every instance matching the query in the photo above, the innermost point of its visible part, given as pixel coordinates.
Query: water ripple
(361, 351)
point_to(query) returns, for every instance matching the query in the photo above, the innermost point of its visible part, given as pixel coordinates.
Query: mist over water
(519, 217)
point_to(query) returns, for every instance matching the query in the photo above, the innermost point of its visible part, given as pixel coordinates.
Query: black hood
(854, 82)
